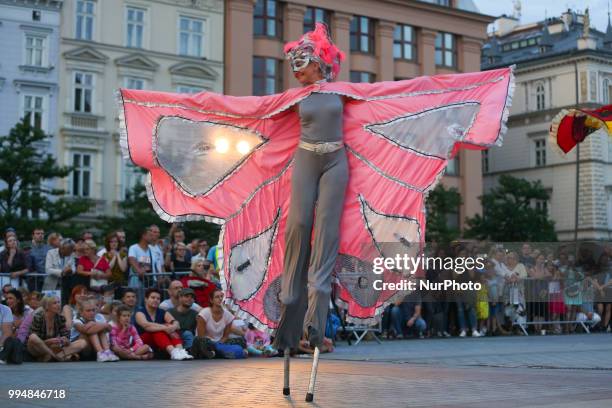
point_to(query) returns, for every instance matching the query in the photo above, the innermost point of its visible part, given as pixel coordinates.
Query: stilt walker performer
(320, 176)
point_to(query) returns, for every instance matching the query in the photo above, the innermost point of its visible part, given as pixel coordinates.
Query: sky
(535, 10)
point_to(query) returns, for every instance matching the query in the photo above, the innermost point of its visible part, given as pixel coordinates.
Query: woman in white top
(215, 323)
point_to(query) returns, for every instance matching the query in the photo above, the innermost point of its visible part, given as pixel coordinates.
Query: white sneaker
(186, 355)
(176, 354)
(446, 334)
(483, 332)
(112, 356)
(462, 334)
(475, 333)
(101, 357)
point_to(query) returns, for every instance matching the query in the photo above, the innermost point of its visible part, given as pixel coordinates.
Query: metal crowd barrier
(547, 303)
(34, 281)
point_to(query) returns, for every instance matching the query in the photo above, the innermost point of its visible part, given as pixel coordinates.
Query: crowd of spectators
(161, 297)
(543, 290)
(69, 299)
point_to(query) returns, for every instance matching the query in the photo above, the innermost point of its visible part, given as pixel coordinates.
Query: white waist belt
(326, 147)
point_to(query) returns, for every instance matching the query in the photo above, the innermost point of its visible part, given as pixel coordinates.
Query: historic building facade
(162, 45)
(29, 67)
(560, 63)
(384, 40)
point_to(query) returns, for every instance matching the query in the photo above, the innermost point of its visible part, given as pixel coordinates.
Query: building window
(452, 167)
(453, 220)
(268, 20)
(33, 110)
(446, 50)
(362, 35)
(83, 92)
(134, 83)
(540, 97)
(188, 89)
(540, 152)
(485, 161)
(81, 174)
(84, 20)
(131, 176)
(605, 91)
(266, 76)
(315, 15)
(191, 35)
(135, 27)
(361, 76)
(403, 42)
(35, 50)
(542, 205)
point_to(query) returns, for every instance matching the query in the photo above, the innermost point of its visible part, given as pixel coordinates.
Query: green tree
(442, 203)
(26, 172)
(510, 214)
(137, 212)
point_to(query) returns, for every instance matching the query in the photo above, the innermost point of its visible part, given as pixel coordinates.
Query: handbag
(97, 283)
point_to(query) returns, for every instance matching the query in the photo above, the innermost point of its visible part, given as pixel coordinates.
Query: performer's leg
(332, 186)
(298, 231)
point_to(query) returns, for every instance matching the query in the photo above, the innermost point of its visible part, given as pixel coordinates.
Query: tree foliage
(137, 213)
(442, 203)
(510, 213)
(27, 197)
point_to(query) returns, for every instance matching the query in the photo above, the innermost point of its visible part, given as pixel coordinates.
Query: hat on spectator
(186, 292)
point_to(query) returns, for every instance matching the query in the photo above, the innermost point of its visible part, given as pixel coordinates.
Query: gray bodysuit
(319, 178)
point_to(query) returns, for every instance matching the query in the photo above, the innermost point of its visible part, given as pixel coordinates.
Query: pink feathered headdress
(319, 46)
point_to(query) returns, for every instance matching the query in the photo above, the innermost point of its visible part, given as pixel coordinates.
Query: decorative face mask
(301, 57)
(299, 63)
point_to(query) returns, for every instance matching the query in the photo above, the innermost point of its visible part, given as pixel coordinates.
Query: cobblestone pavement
(560, 371)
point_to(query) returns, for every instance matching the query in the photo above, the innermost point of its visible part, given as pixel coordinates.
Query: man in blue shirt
(38, 255)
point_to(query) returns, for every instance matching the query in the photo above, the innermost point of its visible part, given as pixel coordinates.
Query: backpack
(333, 323)
(202, 348)
(12, 353)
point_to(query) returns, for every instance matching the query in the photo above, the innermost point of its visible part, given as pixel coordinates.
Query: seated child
(93, 328)
(258, 342)
(125, 340)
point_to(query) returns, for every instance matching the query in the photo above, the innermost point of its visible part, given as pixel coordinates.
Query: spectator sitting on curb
(70, 310)
(258, 342)
(93, 328)
(185, 315)
(215, 324)
(125, 340)
(130, 299)
(49, 336)
(158, 328)
(14, 300)
(33, 300)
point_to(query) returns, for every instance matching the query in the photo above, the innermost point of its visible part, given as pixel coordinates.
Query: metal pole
(313, 376)
(577, 203)
(286, 389)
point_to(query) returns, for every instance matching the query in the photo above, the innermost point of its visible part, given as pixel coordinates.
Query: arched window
(605, 92)
(540, 97)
